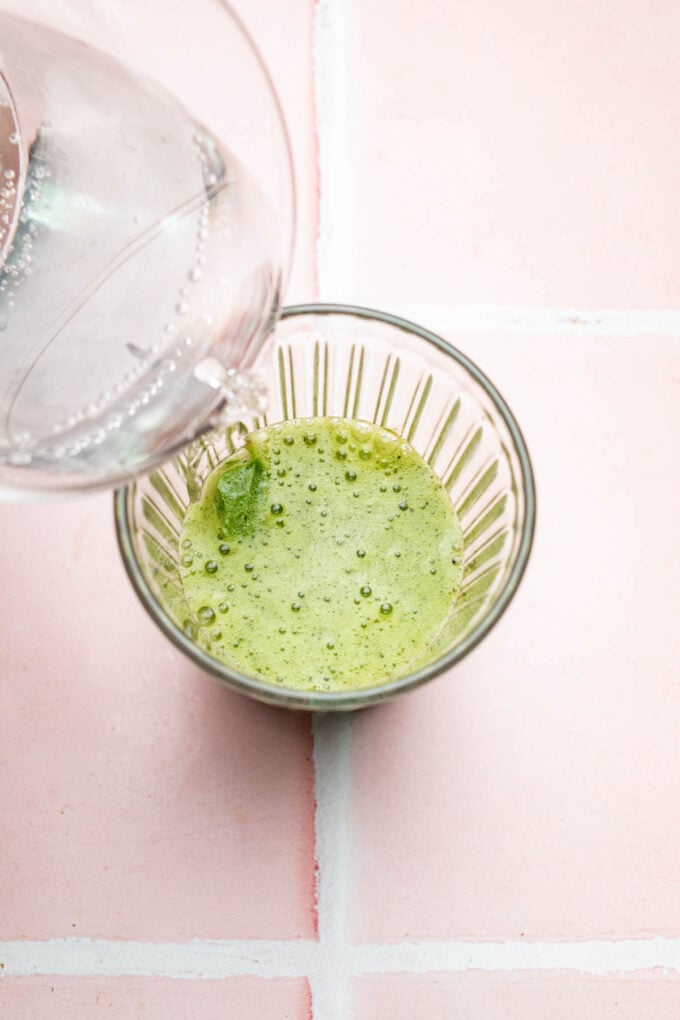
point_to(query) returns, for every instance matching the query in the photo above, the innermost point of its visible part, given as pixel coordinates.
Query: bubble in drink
(350, 630)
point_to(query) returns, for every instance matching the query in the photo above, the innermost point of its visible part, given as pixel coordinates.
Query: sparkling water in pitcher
(140, 268)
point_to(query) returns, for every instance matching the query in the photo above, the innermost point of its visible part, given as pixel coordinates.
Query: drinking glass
(145, 232)
(362, 364)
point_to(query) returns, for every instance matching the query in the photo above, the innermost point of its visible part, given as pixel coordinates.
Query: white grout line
(328, 963)
(196, 959)
(330, 980)
(331, 763)
(336, 240)
(593, 957)
(536, 321)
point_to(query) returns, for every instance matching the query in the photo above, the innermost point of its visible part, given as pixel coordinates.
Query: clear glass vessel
(146, 210)
(357, 363)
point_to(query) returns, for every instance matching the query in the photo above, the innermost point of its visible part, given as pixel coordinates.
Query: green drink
(325, 555)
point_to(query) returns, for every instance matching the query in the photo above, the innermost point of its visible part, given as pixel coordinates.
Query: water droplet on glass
(19, 458)
(224, 549)
(386, 608)
(365, 590)
(211, 567)
(206, 614)
(276, 509)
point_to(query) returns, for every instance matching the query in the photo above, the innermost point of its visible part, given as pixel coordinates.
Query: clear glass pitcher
(146, 210)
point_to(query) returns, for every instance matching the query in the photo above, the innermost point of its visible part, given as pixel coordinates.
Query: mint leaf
(237, 496)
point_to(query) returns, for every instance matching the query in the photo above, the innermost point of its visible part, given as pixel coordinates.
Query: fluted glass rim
(363, 697)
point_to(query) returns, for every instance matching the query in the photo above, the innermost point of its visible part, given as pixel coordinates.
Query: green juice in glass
(325, 555)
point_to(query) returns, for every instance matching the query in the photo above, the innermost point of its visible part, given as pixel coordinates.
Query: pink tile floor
(516, 153)
(503, 843)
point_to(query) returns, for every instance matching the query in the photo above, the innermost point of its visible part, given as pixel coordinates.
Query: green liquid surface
(324, 555)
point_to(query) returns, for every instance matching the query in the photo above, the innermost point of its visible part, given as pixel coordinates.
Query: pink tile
(532, 791)
(519, 153)
(518, 996)
(34, 998)
(283, 34)
(141, 798)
